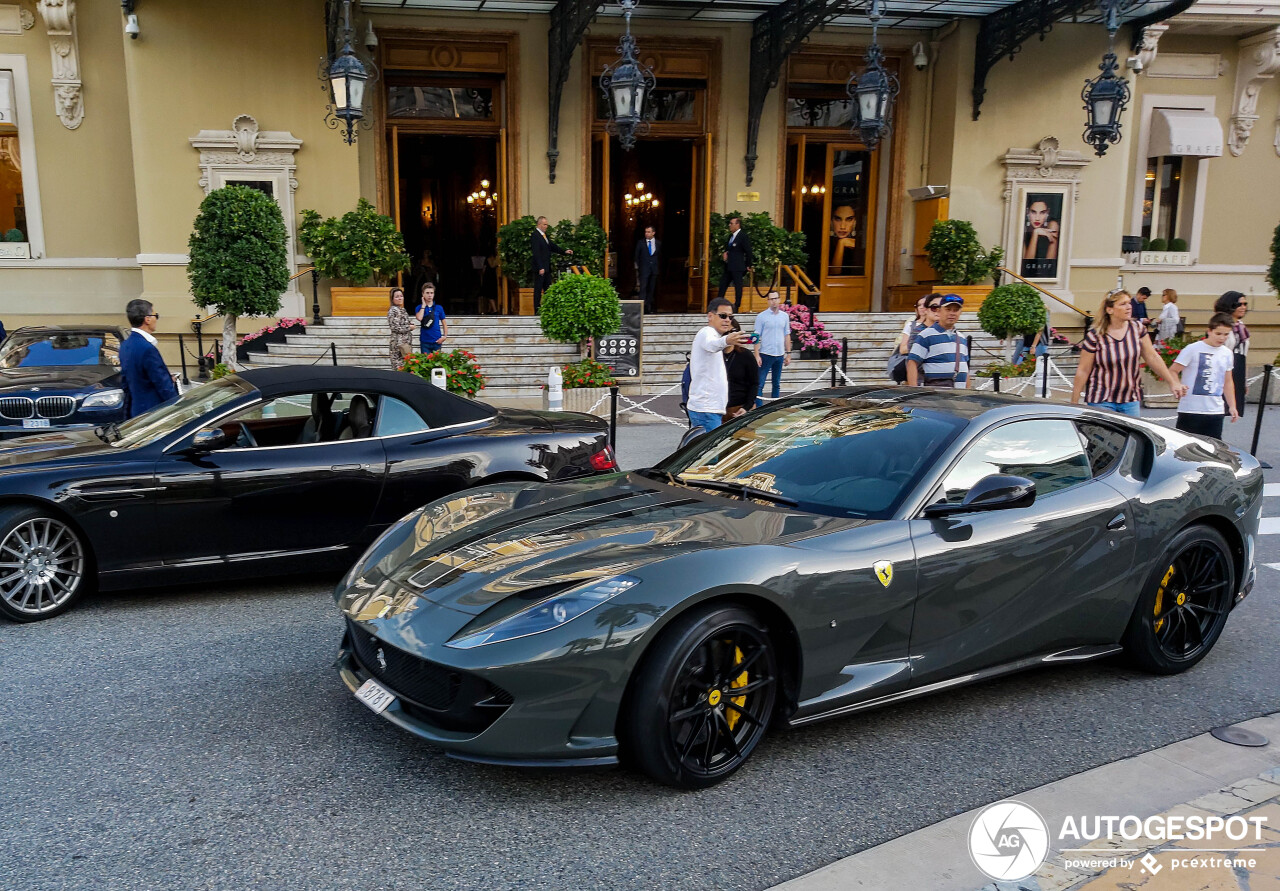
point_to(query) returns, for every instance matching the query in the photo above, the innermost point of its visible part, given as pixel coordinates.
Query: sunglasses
(153, 315)
(932, 305)
(723, 316)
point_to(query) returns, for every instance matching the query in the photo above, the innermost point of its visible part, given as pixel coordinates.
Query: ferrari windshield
(45, 348)
(165, 419)
(852, 457)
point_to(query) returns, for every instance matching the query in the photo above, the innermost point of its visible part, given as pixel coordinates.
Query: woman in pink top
(1111, 359)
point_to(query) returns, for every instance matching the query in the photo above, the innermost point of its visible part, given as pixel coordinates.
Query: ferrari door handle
(1117, 523)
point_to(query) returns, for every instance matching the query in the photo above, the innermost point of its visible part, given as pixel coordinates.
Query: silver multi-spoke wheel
(42, 566)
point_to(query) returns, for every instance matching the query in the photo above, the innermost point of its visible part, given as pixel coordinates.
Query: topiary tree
(1273, 274)
(956, 254)
(1011, 311)
(579, 307)
(14, 235)
(1178, 245)
(361, 246)
(513, 250)
(239, 263)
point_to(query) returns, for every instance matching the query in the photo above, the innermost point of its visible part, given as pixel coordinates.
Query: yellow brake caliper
(734, 717)
(1164, 583)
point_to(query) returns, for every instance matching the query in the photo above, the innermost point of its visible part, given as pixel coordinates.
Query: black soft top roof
(438, 406)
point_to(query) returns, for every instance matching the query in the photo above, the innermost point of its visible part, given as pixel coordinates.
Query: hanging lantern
(627, 86)
(873, 91)
(347, 76)
(1106, 96)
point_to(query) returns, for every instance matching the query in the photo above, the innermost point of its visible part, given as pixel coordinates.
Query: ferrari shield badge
(884, 572)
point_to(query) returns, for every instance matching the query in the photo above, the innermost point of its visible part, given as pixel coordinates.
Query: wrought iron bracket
(775, 35)
(569, 21)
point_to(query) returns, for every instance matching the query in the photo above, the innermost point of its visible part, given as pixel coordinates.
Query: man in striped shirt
(939, 355)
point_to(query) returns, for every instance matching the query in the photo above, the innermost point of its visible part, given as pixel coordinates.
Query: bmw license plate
(35, 422)
(376, 696)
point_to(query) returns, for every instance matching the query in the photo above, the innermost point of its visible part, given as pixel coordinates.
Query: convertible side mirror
(995, 492)
(209, 441)
(692, 434)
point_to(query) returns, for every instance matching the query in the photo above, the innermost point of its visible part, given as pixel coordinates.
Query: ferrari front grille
(16, 408)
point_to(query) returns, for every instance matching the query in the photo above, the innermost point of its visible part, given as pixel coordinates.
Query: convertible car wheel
(42, 565)
(703, 698)
(1184, 607)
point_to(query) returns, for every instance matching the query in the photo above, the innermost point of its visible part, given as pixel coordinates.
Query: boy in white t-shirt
(1205, 367)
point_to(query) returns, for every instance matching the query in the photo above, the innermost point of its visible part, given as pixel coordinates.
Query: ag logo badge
(884, 571)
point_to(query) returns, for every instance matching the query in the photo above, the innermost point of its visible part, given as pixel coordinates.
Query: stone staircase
(515, 357)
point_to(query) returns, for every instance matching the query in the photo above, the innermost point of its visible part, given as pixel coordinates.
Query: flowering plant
(808, 331)
(461, 370)
(1024, 369)
(1168, 350)
(281, 325)
(586, 373)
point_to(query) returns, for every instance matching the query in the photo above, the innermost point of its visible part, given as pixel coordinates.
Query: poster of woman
(846, 249)
(1042, 224)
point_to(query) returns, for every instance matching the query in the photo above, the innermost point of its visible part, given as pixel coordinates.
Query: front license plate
(35, 422)
(376, 696)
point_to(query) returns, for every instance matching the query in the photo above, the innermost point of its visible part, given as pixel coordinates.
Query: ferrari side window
(1048, 452)
(1103, 445)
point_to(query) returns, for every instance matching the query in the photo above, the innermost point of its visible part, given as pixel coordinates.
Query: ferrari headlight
(104, 399)
(547, 614)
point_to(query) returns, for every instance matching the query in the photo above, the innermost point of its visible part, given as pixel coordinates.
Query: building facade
(108, 142)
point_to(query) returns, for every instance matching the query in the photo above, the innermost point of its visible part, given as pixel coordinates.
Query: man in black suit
(647, 263)
(737, 261)
(541, 246)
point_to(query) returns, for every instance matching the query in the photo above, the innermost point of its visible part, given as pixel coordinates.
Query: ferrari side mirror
(995, 492)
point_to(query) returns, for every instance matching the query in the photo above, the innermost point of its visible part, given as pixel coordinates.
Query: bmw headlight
(104, 399)
(547, 614)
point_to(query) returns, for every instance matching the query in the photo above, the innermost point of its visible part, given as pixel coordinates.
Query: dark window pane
(820, 112)
(1103, 446)
(451, 103)
(1049, 453)
(841, 457)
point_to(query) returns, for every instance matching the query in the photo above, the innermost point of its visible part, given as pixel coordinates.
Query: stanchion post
(217, 352)
(833, 369)
(995, 377)
(1262, 405)
(613, 420)
(315, 297)
(333, 352)
(182, 354)
(844, 355)
(1044, 378)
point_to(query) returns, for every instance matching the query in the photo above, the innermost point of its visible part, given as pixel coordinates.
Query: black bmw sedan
(60, 378)
(271, 471)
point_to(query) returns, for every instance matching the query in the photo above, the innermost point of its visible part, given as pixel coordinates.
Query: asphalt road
(199, 738)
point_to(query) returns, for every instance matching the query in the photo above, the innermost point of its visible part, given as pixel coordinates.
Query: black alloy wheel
(43, 565)
(1184, 606)
(703, 699)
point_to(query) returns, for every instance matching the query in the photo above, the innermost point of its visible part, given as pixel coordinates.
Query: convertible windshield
(844, 457)
(191, 405)
(42, 349)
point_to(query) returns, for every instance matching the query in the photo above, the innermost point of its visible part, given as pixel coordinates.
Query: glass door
(699, 262)
(849, 212)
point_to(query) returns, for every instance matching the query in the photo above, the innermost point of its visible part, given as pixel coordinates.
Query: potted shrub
(361, 247)
(462, 372)
(1160, 252)
(516, 260)
(771, 247)
(238, 262)
(586, 238)
(809, 335)
(579, 307)
(1009, 312)
(1007, 369)
(586, 387)
(963, 267)
(13, 246)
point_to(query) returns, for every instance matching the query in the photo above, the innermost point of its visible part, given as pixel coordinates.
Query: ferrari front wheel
(1182, 610)
(703, 698)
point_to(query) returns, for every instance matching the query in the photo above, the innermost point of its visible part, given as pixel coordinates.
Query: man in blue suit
(147, 382)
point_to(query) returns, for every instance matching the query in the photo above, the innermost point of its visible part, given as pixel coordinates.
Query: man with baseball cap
(939, 355)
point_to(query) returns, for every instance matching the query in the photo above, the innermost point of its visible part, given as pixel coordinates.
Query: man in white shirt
(708, 382)
(773, 345)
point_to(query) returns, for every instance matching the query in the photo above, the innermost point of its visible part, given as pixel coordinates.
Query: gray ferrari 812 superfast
(831, 552)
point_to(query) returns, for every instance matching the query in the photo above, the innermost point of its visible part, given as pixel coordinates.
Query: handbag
(896, 367)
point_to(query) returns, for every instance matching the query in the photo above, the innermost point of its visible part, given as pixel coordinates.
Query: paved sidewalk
(1200, 776)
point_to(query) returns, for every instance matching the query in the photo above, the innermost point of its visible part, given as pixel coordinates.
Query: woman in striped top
(1111, 359)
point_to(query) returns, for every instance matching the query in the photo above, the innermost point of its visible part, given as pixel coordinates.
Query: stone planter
(259, 343)
(583, 398)
(815, 354)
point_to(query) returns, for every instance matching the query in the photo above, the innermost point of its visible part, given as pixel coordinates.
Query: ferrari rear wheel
(1184, 607)
(43, 565)
(703, 699)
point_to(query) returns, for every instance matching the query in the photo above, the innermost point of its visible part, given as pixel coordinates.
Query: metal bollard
(1044, 378)
(833, 369)
(995, 377)
(182, 354)
(1262, 405)
(844, 356)
(613, 420)
(333, 352)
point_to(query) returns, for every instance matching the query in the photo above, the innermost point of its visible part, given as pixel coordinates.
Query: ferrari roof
(966, 404)
(438, 406)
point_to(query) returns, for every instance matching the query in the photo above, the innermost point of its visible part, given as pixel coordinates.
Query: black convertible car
(60, 378)
(826, 554)
(270, 471)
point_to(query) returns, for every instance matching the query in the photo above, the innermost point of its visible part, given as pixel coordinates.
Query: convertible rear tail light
(603, 460)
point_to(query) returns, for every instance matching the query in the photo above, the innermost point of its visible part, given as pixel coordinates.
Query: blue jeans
(428, 348)
(769, 365)
(705, 419)
(1133, 409)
